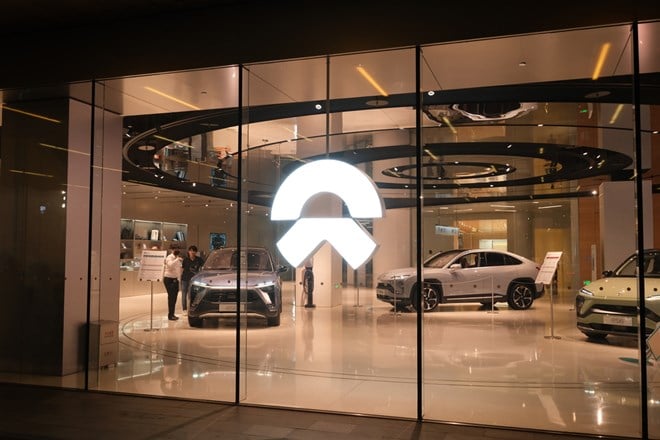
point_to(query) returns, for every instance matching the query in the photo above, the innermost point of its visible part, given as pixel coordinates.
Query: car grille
(383, 286)
(610, 309)
(229, 296)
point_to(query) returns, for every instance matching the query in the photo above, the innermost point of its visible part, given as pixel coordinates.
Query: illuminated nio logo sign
(346, 235)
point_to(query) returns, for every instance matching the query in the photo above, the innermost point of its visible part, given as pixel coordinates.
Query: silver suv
(213, 291)
(485, 276)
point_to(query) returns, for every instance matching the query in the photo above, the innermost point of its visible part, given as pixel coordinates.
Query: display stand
(152, 265)
(151, 313)
(357, 288)
(545, 276)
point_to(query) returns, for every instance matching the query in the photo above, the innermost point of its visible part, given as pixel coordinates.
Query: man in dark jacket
(192, 264)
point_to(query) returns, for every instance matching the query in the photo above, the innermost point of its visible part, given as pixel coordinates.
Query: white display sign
(548, 268)
(152, 265)
(446, 230)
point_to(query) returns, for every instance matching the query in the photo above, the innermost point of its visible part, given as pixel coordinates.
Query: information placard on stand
(545, 276)
(152, 265)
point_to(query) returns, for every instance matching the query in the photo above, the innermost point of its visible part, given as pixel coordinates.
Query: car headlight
(197, 293)
(585, 291)
(267, 293)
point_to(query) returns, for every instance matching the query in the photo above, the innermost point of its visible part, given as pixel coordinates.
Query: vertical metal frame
(418, 224)
(639, 200)
(239, 201)
(90, 232)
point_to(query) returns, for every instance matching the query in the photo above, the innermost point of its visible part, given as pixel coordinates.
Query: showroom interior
(530, 144)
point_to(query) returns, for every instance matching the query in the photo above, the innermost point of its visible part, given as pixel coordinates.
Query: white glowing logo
(346, 235)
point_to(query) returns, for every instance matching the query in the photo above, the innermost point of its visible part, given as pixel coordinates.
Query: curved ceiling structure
(148, 134)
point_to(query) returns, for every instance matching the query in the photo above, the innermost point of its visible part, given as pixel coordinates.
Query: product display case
(139, 235)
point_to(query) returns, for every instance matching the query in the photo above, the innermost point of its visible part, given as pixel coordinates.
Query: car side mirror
(607, 273)
(282, 269)
(455, 266)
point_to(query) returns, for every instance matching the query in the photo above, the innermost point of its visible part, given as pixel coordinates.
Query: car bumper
(612, 316)
(223, 302)
(392, 293)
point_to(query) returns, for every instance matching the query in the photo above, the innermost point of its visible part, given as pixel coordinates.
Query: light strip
(163, 138)
(63, 149)
(31, 173)
(177, 100)
(616, 113)
(372, 81)
(34, 115)
(451, 127)
(605, 48)
(433, 156)
(550, 206)
(503, 206)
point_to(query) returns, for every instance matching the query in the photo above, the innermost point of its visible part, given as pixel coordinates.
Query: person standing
(171, 276)
(191, 264)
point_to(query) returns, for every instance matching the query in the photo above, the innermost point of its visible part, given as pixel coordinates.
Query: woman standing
(171, 277)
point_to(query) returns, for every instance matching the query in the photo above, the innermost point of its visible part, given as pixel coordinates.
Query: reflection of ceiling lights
(371, 80)
(146, 148)
(604, 49)
(172, 98)
(34, 115)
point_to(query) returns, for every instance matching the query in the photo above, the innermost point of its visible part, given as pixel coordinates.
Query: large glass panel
(167, 199)
(649, 67)
(44, 191)
(332, 127)
(527, 172)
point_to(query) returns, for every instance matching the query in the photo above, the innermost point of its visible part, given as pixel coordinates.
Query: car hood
(622, 287)
(228, 278)
(398, 273)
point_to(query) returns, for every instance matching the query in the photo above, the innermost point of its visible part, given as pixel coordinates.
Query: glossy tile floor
(481, 366)
(45, 413)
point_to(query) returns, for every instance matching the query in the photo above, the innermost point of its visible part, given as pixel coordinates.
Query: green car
(608, 306)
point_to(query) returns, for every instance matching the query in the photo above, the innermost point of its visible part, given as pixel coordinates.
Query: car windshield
(651, 266)
(227, 259)
(441, 259)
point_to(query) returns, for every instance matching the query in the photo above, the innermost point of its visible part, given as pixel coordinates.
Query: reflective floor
(499, 367)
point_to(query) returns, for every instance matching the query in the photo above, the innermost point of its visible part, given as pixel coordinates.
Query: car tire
(273, 321)
(430, 297)
(195, 322)
(595, 336)
(520, 296)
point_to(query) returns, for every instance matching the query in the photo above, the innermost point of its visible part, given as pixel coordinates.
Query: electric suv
(609, 305)
(485, 276)
(213, 291)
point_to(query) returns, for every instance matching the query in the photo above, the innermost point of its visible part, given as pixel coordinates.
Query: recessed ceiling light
(522, 64)
(146, 148)
(599, 94)
(377, 103)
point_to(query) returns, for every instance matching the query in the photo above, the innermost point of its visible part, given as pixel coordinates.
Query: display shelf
(139, 235)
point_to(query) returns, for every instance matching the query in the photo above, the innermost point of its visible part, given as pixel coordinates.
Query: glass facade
(429, 232)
